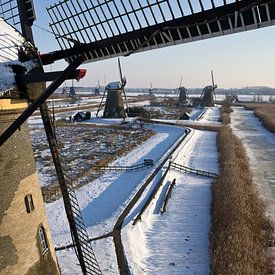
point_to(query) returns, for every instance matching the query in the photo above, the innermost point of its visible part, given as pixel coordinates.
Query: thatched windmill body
(114, 107)
(114, 103)
(208, 95)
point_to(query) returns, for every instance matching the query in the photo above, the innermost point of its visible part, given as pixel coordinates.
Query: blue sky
(239, 60)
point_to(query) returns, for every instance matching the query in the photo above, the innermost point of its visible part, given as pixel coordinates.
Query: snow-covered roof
(10, 41)
(114, 86)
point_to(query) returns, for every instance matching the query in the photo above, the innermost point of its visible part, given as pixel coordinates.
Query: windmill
(31, 93)
(182, 93)
(97, 89)
(208, 95)
(114, 105)
(64, 89)
(72, 93)
(151, 89)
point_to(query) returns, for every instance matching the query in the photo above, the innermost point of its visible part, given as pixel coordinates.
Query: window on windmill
(42, 240)
(29, 203)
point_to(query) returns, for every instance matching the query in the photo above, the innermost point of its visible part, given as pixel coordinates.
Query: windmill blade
(212, 76)
(180, 82)
(123, 90)
(213, 84)
(122, 78)
(120, 71)
(101, 105)
(202, 93)
(123, 83)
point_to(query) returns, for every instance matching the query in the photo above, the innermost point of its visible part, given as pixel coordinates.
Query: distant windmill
(114, 106)
(97, 89)
(208, 95)
(151, 89)
(72, 93)
(182, 93)
(64, 89)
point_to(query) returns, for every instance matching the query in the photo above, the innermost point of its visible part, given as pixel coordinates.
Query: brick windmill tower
(183, 99)
(25, 241)
(26, 245)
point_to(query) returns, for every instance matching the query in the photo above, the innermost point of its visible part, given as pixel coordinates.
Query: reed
(240, 228)
(266, 113)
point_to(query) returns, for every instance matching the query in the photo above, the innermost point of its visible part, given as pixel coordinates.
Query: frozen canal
(260, 147)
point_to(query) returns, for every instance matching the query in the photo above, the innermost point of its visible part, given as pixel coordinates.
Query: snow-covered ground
(174, 243)
(177, 242)
(208, 116)
(211, 115)
(103, 200)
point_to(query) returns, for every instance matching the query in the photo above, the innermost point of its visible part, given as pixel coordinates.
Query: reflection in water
(260, 147)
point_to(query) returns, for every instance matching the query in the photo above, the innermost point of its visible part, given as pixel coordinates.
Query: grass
(81, 163)
(240, 229)
(266, 113)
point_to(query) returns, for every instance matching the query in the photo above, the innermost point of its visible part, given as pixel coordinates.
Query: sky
(238, 60)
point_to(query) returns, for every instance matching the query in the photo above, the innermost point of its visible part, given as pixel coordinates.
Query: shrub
(225, 113)
(138, 111)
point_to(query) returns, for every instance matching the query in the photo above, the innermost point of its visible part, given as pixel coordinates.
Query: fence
(125, 168)
(193, 171)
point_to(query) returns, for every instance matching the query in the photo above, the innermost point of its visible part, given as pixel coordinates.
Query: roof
(114, 86)
(10, 42)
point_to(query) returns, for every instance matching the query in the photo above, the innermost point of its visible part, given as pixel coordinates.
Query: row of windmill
(114, 97)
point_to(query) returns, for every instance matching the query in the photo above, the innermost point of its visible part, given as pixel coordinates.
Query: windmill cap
(209, 88)
(114, 86)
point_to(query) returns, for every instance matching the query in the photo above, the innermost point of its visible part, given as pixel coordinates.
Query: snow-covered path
(177, 242)
(211, 115)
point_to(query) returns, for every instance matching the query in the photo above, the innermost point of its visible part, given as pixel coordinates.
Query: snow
(202, 116)
(11, 40)
(196, 112)
(114, 86)
(173, 243)
(177, 241)
(211, 115)
(102, 200)
(7, 79)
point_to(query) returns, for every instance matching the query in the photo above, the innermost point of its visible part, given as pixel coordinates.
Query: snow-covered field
(102, 201)
(181, 233)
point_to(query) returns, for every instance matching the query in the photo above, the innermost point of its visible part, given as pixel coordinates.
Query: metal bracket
(49, 76)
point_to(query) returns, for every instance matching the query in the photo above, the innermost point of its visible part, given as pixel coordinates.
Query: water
(260, 147)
